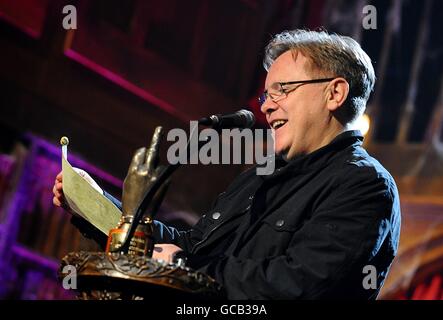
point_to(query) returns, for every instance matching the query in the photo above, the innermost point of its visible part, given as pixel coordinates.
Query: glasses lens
(276, 92)
(262, 98)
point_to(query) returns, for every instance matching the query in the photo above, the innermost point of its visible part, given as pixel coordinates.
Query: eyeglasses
(277, 91)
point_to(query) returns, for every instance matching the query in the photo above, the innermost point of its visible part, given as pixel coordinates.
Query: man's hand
(165, 252)
(142, 172)
(59, 198)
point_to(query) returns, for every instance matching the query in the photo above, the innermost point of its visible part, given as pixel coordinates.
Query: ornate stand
(109, 276)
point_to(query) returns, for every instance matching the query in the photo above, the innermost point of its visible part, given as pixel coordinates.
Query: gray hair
(333, 55)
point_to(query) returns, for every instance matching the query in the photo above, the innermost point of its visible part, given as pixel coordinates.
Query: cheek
(312, 107)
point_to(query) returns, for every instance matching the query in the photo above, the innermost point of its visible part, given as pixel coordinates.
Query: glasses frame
(284, 93)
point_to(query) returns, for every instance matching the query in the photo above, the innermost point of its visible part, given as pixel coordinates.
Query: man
(328, 215)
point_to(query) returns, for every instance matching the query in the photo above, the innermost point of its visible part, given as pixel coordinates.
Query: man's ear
(336, 94)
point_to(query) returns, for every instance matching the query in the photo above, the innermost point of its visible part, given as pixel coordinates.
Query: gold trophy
(143, 174)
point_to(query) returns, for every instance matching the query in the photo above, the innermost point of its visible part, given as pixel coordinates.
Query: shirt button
(280, 223)
(216, 215)
(251, 197)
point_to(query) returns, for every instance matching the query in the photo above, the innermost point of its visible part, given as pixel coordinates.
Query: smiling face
(303, 113)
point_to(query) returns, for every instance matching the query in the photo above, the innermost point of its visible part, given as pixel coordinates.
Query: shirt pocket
(274, 236)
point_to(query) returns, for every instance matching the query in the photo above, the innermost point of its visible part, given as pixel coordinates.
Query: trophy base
(116, 276)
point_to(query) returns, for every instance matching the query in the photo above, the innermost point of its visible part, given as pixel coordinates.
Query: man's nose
(268, 106)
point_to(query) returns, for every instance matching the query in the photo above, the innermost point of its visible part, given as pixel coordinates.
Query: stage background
(132, 65)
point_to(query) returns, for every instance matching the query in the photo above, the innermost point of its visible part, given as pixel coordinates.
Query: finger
(58, 186)
(138, 159)
(56, 202)
(59, 196)
(55, 190)
(152, 154)
(59, 177)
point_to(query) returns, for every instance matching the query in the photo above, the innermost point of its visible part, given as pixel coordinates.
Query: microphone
(240, 119)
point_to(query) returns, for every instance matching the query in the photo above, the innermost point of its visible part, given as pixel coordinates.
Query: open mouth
(278, 124)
